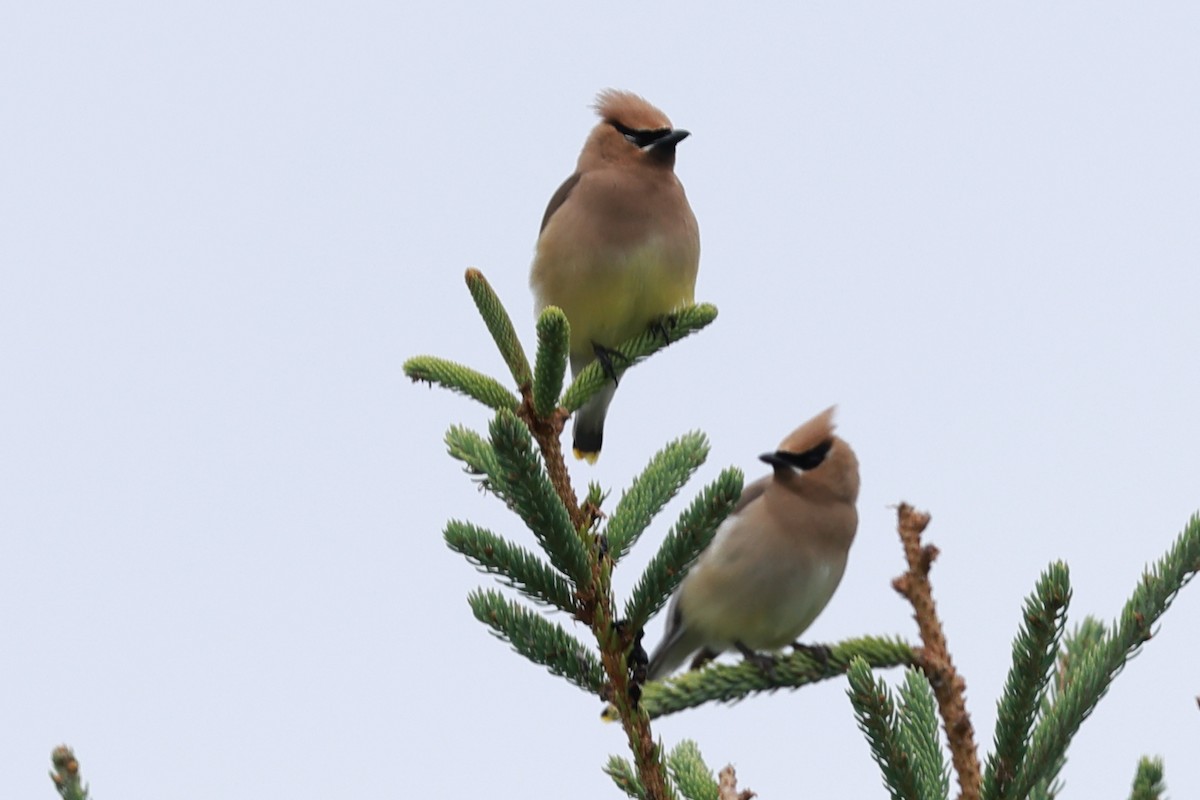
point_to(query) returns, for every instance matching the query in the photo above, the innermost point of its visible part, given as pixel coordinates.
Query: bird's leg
(636, 659)
(663, 325)
(702, 658)
(764, 661)
(817, 652)
(639, 660)
(606, 356)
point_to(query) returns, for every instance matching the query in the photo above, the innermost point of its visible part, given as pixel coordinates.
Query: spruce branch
(1086, 635)
(550, 365)
(595, 495)
(66, 774)
(541, 414)
(1034, 652)
(731, 683)
(1148, 782)
(948, 686)
(692, 776)
(538, 639)
(547, 432)
(539, 490)
(514, 565)
(676, 326)
(461, 379)
(577, 579)
(919, 727)
(616, 642)
(499, 324)
(525, 486)
(622, 691)
(659, 482)
(875, 710)
(683, 544)
(624, 776)
(475, 452)
(1093, 671)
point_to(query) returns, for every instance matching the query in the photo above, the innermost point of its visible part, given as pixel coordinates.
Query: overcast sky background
(226, 225)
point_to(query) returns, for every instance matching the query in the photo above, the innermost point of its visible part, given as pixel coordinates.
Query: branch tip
(949, 688)
(727, 787)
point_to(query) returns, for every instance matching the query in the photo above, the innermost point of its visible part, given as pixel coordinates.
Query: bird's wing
(751, 493)
(558, 199)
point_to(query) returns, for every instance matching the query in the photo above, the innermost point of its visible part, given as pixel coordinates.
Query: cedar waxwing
(619, 246)
(775, 561)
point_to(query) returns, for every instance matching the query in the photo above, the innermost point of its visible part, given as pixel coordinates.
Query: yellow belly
(609, 300)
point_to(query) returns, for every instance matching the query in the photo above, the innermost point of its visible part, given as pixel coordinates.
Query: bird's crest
(630, 110)
(817, 430)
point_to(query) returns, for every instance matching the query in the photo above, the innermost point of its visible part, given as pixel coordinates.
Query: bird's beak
(774, 459)
(669, 141)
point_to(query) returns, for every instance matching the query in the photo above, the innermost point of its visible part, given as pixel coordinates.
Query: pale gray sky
(226, 225)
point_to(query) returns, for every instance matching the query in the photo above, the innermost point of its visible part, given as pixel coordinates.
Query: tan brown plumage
(776, 561)
(619, 246)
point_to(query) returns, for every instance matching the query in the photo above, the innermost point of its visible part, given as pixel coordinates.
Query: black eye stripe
(809, 459)
(641, 138)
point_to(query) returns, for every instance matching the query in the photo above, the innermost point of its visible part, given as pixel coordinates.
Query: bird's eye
(638, 137)
(809, 459)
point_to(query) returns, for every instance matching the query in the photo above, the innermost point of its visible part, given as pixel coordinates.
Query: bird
(775, 562)
(619, 247)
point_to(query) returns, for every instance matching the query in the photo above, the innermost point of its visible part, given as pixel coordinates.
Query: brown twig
(727, 786)
(547, 432)
(596, 607)
(948, 686)
(634, 719)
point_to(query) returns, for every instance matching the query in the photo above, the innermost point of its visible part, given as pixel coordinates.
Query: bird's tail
(588, 430)
(672, 651)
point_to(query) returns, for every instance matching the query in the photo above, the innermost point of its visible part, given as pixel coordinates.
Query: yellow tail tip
(588, 457)
(610, 714)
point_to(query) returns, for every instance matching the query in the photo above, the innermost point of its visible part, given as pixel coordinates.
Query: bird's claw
(817, 652)
(702, 658)
(663, 325)
(606, 356)
(764, 661)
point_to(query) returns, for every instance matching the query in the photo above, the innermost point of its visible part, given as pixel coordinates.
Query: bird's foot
(607, 357)
(638, 658)
(764, 661)
(663, 326)
(702, 658)
(817, 652)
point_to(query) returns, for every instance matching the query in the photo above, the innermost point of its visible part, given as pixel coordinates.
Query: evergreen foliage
(692, 777)
(658, 483)
(731, 683)
(524, 485)
(1054, 681)
(625, 777)
(683, 543)
(879, 719)
(541, 641)
(66, 774)
(499, 325)
(512, 564)
(554, 342)
(1033, 657)
(1148, 782)
(918, 727)
(461, 379)
(593, 378)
